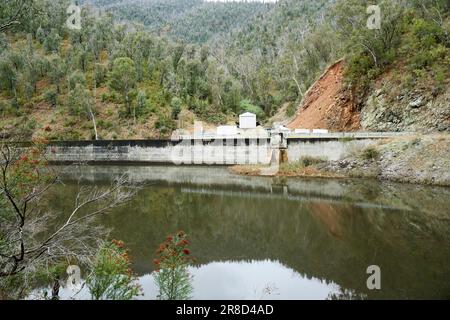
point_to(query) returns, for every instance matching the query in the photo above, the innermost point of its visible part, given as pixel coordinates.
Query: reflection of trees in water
(333, 242)
(426, 199)
(346, 294)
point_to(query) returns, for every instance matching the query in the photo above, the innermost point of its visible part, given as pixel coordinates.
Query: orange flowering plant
(172, 276)
(112, 277)
(28, 169)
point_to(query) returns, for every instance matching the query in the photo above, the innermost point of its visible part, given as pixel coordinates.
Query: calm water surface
(278, 238)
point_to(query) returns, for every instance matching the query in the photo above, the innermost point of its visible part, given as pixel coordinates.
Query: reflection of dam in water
(366, 193)
(331, 230)
(255, 195)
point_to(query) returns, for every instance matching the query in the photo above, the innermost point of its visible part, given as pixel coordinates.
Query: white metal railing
(343, 135)
(293, 135)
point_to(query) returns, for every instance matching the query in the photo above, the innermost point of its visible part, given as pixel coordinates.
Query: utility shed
(247, 121)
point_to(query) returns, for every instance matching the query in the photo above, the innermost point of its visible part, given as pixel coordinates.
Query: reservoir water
(281, 238)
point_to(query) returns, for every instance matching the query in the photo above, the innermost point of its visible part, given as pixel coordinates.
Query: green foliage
(4, 107)
(308, 161)
(427, 48)
(414, 33)
(100, 74)
(172, 276)
(194, 21)
(105, 124)
(247, 106)
(13, 287)
(175, 104)
(80, 101)
(272, 56)
(300, 165)
(164, 124)
(16, 13)
(213, 116)
(40, 35)
(122, 79)
(51, 42)
(427, 33)
(4, 43)
(369, 51)
(51, 97)
(57, 71)
(291, 109)
(304, 162)
(28, 171)
(9, 72)
(346, 139)
(111, 277)
(49, 275)
(141, 107)
(370, 153)
(77, 78)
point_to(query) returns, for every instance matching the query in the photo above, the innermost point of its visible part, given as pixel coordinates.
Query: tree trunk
(127, 103)
(94, 123)
(55, 289)
(300, 92)
(95, 101)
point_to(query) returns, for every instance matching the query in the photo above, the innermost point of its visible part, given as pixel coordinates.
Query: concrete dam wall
(203, 151)
(187, 151)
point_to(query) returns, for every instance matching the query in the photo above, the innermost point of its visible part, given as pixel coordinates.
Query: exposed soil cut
(328, 104)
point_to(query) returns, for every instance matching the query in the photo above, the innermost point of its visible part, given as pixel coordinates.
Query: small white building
(247, 121)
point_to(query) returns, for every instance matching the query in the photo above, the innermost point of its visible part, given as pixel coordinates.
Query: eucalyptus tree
(57, 71)
(177, 54)
(122, 78)
(4, 43)
(351, 20)
(35, 66)
(11, 67)
(52, 41)
(8, 76)
(76, 78)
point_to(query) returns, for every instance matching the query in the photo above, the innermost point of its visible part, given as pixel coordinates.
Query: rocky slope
(418, 159)
(329, 104)
(412, 111)
(423, 159)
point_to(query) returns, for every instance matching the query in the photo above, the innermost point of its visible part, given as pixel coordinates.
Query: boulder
(417, 103)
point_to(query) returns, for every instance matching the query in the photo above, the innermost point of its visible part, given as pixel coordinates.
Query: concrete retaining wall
(328, 149)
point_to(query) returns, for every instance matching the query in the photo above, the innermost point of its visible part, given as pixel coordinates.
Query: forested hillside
(114, 80)
(194, 21)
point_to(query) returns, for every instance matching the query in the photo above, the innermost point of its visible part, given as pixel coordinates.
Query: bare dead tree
(32, 237)
(294, 77)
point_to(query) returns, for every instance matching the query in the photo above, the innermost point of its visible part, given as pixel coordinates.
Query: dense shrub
(370, 153)
(247, 106)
